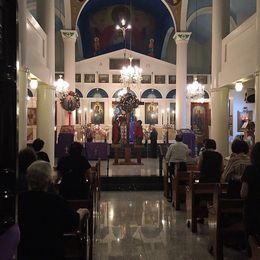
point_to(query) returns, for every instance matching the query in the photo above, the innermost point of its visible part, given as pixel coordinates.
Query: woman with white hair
(43, 217)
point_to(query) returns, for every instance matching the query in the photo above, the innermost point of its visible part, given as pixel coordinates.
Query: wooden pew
(195, 193)
(76, 204)
(166, 181)
(179, 182)
(77, 244)
(229, 208)
(255, 247)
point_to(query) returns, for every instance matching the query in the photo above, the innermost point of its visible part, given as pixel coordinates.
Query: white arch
(165, 42)
(184, 10)
(163, 1)
(203, 11)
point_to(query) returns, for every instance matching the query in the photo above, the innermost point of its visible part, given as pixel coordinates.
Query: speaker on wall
(250, 95)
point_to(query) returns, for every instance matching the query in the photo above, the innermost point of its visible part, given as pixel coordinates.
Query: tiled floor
(149, 167)
(143, 225)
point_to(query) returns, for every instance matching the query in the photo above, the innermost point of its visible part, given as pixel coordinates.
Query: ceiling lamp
(195, 90)
(239, 86)
(61, 85)
(130, 75)
(33, 83)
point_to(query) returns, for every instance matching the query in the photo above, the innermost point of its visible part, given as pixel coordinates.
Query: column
(219, 119)
(46, 118)
(46, 18)
(181, 39)
(69, 40)
(22, 76)
(219, 96)
(257, 76)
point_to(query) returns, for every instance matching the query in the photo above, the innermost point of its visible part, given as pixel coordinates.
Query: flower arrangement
(70, 101)
(128, 102)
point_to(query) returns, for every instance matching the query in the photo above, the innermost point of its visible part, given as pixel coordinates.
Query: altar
(95, 151)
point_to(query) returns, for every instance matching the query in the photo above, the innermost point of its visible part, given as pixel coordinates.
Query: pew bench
(77, 244)
(197, 193)
(223, 209)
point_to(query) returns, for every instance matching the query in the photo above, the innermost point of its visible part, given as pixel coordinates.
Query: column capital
(181, 37)
(69, 34)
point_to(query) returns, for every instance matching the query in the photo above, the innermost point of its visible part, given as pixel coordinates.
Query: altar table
(95, 151)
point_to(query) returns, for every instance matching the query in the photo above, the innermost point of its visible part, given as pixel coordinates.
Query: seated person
(74, 170)
(250, 190)
(210, 163)
(43, 217)
(235, 168)
(38, 146)
(26, 157)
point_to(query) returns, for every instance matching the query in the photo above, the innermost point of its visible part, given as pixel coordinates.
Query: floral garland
(128, 102)
(70, 101)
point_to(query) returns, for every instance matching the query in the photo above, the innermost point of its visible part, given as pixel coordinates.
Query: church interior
(124, 79)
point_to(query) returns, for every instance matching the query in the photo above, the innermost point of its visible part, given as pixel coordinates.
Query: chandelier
(195, 90)
(130, 75)
(61, 85)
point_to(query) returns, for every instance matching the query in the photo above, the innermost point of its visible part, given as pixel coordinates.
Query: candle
(162, 116)
(85, 116)
(168, 115)
(79, 117)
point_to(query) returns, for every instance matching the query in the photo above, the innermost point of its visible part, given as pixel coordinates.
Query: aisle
(143, 225)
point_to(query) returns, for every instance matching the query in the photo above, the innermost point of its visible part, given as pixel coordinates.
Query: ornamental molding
(69, 34)
(181, 37)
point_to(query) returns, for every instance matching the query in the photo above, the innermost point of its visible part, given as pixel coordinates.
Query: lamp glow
(33, 83)
(239, 86)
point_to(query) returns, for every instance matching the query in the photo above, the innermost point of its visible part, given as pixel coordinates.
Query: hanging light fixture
(239, 86)
(130, 75)
(33, 83)
(195, 90)
(61, 85)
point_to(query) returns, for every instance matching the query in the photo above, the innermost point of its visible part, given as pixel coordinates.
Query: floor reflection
(142, 225)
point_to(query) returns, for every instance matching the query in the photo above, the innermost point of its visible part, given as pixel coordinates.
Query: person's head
(26, 157)
(75, 149)
(210, 144)
(39, 176)
(178, 138)
(38, 144)
(139, 122)
(255, 154)
(239, 146)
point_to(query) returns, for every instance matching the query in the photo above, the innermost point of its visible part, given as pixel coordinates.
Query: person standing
(153, 138)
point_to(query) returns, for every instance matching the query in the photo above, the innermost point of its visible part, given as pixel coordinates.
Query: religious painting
(97, 113)
(31, 116)
(243, 117)
(146, 79)
(30, 134)
(102, 36)
(189, 79)
(117, 64)
(159, 79)
(103, 78)
(172, 113)
(116, 78)
(202, 79)
(151, 113)
(199, 119)
(89, 78)
(172, 79)
(78, 77)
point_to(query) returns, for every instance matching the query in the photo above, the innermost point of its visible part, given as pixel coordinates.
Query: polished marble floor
(149, 167)
(143, 225)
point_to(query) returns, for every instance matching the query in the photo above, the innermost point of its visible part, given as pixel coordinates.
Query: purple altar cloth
(9, 242)
(189, 139)
(64, 141)
(95, 151)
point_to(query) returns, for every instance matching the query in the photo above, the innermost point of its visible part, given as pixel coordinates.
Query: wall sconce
(33, 83)
(238, 86)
